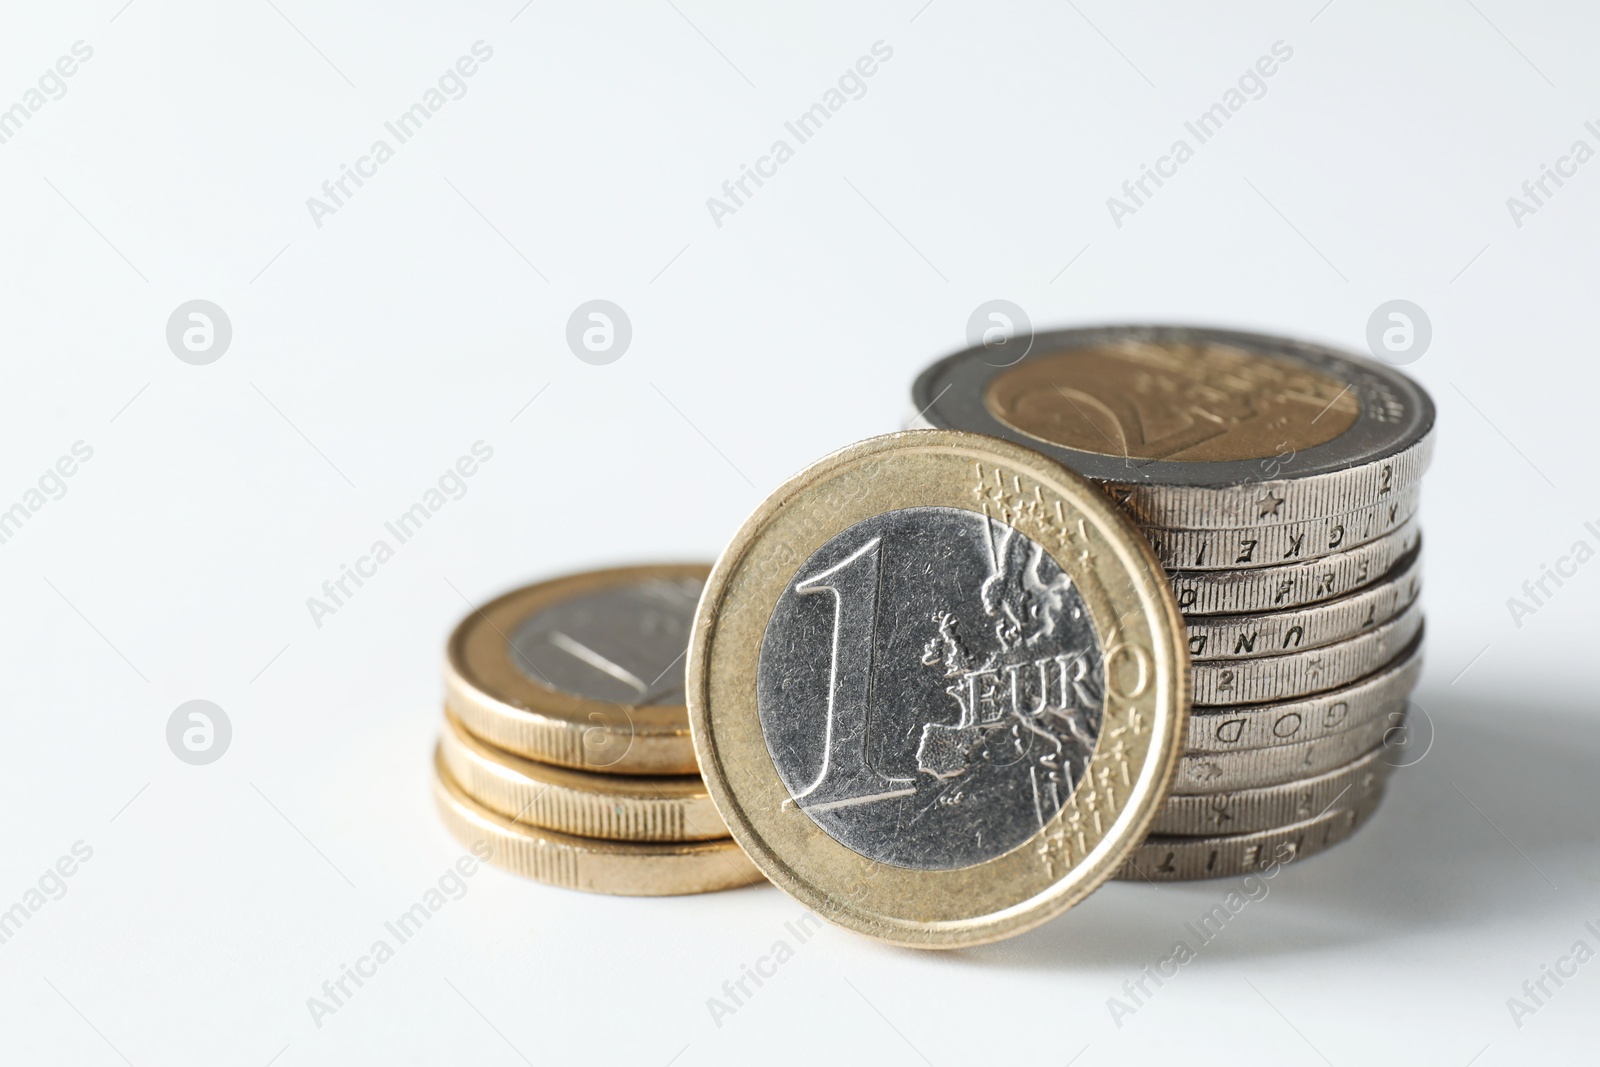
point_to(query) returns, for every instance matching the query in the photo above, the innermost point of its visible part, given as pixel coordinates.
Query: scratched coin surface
(937, 688)
(1193, 428)
(583, 671)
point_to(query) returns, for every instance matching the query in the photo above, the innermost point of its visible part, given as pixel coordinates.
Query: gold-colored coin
(585, 803)
(583, 671)
(938, 688)
(623, 868)
(1201, 402)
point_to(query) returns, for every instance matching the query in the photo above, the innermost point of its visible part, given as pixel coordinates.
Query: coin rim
(581, 803)
(1341, 617)
(1250, 589)
(979, 903)
(1382, 689)
(522, 716)
(1381, 439)
(595, 865)
(1183, 812)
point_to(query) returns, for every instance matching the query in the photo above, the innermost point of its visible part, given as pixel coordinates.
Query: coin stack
(566, 744)
(1278, 483)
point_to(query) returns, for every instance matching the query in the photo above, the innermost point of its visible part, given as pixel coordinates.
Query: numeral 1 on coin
(846, 775)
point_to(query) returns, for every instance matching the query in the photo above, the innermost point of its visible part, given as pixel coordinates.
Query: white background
(425, 314)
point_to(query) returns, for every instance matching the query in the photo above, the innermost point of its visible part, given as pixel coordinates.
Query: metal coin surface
(592, 865)
(1271, 546)
(1240, 637)
(1295, 674)
(1224, 772)
(937, 688)
(1294, 585)
(583, 671)
(1194, 428)
(1176, 859)
(1243, 811)
(621, 807)
(1251, 726)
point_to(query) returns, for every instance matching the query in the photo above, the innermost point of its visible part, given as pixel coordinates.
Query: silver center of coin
(624, 644)
(930, 688)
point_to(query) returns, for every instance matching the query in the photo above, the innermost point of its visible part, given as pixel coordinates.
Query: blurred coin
(624, 868)
(622, 807)
(1193, 428)
(584, 671)
(937, 688)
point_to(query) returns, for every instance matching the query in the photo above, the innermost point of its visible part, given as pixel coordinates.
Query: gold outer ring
(622, 868)
(617, 807)
(1135, 615)
(511, 711)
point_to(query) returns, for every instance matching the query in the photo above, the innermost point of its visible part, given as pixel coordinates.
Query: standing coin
(1196, 428)
(937, 688)
(593, 865)
(583, 671)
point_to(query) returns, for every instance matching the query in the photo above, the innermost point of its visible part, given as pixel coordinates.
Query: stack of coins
(1278, 483)
(566, 745)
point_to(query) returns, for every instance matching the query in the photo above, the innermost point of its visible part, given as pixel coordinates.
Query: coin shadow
(1484, 830)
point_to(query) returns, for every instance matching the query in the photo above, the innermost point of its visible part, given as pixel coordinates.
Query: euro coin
(1197, 429)
(1253, 768)
(622, 807)
(1270, 546)
(937, 688)
(593, 865)
(1238, 637)
(1294, 585)
(1162, 858)
(1295, 674)
(1241, 811)
(1236, 728)
(582, 671)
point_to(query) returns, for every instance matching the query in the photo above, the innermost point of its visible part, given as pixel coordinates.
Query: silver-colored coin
(1241, 637)
(1274, 678)
(1270, 546)
(1294, 585)
(1247, 811)
(1251, 726)
(622, 644)
(1174, 859)
(1194, 428)
(943, 614)
(1201, 773)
